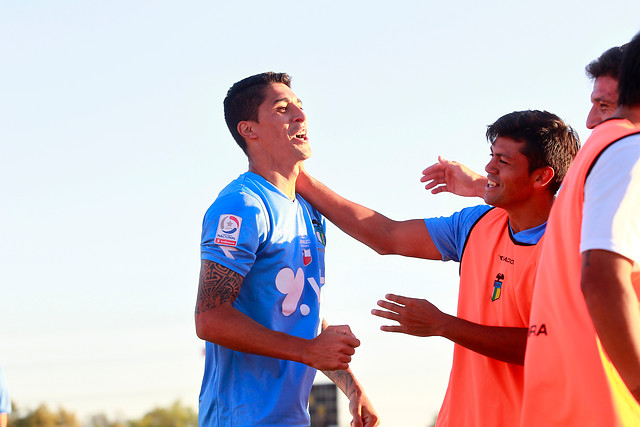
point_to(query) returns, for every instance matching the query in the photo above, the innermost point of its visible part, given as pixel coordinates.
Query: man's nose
(490, 167)
(593, 119)
(300, 116)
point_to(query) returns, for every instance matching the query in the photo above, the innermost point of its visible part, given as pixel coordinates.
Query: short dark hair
(607, 64)
(548, 140)
(245, 97)
(629, 81)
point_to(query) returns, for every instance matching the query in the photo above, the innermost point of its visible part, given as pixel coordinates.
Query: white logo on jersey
(292, 285)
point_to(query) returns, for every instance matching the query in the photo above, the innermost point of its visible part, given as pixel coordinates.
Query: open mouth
(491, 184)
(301, 135)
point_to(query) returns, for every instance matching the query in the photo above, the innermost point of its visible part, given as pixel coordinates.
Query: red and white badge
(228, 230)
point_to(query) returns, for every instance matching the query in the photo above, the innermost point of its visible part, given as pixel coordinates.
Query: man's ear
(543, 176)
(246, 129)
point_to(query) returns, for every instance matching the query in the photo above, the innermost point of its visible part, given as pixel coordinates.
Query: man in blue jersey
(262, 271)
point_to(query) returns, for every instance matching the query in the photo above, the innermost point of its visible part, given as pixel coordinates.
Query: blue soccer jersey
(278, 245)
(449, 234)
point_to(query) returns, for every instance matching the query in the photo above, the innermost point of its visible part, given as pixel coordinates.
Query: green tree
(177, 415)
(101, 420)
(43, 417)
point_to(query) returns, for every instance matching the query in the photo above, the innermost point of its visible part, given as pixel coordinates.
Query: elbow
(384, 250)
(385, 242)
(205, 328)
(200, 327)
(210, 324)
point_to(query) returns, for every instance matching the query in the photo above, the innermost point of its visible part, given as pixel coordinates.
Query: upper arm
(217, 285)
(604, 272)
(411, 238)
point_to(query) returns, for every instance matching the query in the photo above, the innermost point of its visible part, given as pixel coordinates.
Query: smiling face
(510, 183)
(281, 129)
(604, 100)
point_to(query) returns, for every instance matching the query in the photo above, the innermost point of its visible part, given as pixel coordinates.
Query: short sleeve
(611, 218)
(449, 234)
(232, 230)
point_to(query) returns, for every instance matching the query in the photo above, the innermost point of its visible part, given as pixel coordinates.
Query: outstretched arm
(453, 177)
(383, 235)
(421, 318)
(613, 306)
(362, 411)
(217, 321)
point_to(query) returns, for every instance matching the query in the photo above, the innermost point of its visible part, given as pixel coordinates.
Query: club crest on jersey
(228, 230)
(497, 287)
(319, 230)
(305, 244)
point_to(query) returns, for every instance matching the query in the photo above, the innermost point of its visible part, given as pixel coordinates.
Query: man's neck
(631, 113)
(531, 215)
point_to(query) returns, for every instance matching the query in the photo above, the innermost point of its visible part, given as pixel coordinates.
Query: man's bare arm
(361, 409)
(382, 234)
(420, 318)
(217, 321)
(614, 309)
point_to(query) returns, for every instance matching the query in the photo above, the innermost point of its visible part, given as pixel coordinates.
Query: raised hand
(453, 177)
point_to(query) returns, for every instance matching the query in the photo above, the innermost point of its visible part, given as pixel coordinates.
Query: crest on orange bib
(497, 287)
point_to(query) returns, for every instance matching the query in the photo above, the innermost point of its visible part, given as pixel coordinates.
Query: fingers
(386, 314)
(440, 190)
(393, 310)
(392, 328)
(389, 305)
(431, 169)
(432, 181)
(399, 299)
(343, 329)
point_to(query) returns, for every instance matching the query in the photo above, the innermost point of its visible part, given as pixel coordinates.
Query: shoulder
(239, 199)
(622, 155)
(469, 216)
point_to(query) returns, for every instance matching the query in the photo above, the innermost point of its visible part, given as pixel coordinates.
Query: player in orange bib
(582, 365)
(496, 247)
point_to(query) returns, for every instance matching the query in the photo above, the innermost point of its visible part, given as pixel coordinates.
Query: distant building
(323, 405)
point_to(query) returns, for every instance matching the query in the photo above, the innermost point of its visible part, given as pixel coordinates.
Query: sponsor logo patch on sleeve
(228, 230)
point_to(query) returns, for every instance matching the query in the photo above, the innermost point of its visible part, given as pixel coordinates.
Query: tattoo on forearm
(344, 380)
(218, 285)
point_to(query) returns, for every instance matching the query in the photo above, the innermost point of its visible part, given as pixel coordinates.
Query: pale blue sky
(113, 145)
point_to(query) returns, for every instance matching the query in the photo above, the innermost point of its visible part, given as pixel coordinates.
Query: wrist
(446, 326)
(481, 184)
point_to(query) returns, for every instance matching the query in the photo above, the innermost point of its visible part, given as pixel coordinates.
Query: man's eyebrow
(602, 99)
(498, 154)
(297, 101)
